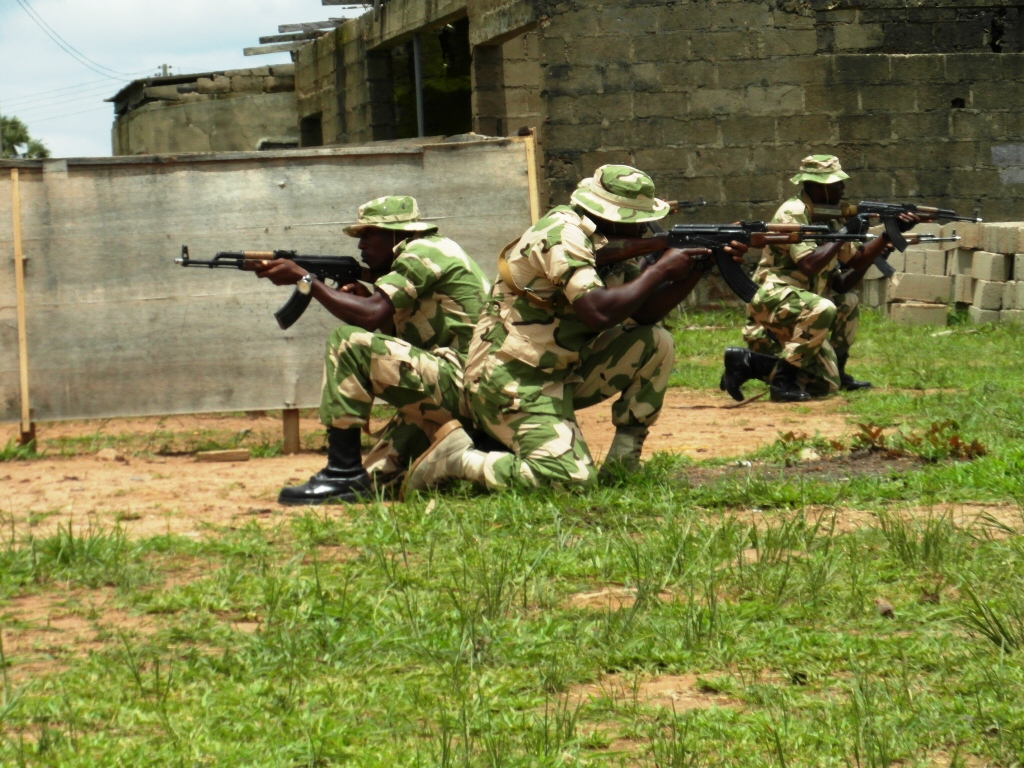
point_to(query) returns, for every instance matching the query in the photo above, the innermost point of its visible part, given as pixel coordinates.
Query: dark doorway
(447, 92)
(311, 131)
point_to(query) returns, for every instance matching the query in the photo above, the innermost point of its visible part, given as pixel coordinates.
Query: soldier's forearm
(366, 312)
(818, 259)
(665, 299)
(603, 308)
(853, 272)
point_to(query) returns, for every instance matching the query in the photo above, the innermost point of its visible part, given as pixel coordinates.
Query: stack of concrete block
(983, 272)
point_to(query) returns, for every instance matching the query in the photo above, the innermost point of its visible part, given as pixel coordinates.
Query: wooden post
(290, 419)
(28, 429)
(531, 175)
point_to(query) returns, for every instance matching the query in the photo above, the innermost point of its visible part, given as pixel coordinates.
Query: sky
(60, 98)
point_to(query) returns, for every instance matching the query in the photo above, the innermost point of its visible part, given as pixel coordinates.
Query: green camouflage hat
(620, 193)
(398, 212)
(824, 169)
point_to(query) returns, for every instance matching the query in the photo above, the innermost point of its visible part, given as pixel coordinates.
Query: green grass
(442, 631)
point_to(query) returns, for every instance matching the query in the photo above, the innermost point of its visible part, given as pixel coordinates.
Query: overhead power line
(68, 114)
(69, 49)
(29, 104)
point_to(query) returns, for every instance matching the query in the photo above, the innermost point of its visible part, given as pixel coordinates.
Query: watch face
(305, 284)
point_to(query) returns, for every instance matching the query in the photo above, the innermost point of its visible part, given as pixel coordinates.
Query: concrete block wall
(233, 110)
(990, 284)
(722, 99)
(507, 83)
(895, 26)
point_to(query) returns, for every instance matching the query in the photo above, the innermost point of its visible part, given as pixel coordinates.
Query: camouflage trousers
(534, 415)
(425, 388)
(804, 329)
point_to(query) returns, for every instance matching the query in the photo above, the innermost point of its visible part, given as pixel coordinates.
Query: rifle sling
(506, 277)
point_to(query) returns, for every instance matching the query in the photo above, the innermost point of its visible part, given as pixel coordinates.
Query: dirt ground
(152, 494)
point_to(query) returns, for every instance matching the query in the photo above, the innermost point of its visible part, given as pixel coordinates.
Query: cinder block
(898, 261)
(935, 263)
(929, 228)
(219, 84)
(963, 289)
(1013, 316)
(1001, 237)
(933, 289)
(960, 261)
(1010, 295)
(914, 258)
(1018, 266)
(915, 313)
(990, 266)
(1018, 302)
(988, 294)
(979, 316)
(875, 293)
(873, 273)
(970, 233)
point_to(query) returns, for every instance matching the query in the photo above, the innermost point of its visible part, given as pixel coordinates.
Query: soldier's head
(382, 224)
(620, 200)
(823, 179)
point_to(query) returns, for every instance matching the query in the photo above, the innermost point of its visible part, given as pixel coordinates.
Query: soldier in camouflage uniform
(803, 319)
(428, 296)
(560, 334)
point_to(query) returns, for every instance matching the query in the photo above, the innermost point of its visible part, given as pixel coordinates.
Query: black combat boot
(784, 388)
(343, 479)
(846, 381)
(742, 365)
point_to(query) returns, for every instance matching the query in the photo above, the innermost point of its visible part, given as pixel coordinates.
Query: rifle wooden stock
(630, 248)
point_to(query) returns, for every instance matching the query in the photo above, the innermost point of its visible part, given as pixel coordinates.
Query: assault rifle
(715, 237)
(342, 270)
(858, 218)
(889, 213)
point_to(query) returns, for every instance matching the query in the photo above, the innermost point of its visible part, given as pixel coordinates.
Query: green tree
(17, 142)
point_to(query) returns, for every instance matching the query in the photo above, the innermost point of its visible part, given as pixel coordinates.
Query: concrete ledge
(979, 316)
(905, 286)
(915, 313)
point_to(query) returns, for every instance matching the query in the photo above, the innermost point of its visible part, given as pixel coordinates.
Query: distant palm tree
(16, 141)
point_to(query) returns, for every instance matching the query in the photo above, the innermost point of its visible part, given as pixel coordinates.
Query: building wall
(226, 111)
(722, 99)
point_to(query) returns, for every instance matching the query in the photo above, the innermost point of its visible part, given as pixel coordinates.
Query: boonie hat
(397, 212)
(824, 169)
(620, 193)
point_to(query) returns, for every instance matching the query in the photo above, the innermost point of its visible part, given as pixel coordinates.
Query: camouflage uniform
(800, 318)
(532, 361)
(438, 293)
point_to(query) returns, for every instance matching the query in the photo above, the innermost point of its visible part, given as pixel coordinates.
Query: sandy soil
(152, 494)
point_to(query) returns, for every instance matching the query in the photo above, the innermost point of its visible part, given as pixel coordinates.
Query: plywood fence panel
(117, 329)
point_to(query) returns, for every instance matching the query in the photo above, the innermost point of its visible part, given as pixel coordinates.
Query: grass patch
(449, 630)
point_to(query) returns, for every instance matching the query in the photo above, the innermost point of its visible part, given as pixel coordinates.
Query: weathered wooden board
(115, 328)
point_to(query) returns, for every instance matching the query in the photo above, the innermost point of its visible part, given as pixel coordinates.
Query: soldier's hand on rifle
(736, 249)
(281, 271)
(908, 221)
(677, 263)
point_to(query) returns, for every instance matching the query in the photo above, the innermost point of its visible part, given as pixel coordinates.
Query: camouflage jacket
(778, 265)
(554, 262)
(438, 293)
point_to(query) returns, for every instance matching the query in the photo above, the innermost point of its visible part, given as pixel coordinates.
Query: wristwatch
(305, 284)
